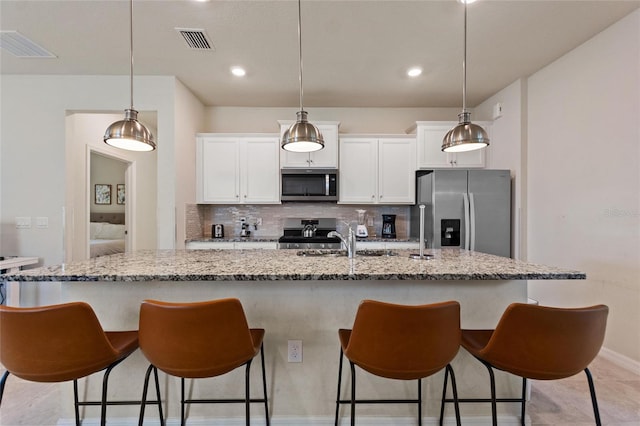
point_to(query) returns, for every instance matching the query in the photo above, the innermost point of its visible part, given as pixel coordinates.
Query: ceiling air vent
(21, 46)
(196, 39)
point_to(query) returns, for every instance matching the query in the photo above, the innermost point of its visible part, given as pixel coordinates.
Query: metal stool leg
(524, 400)
(455, 393)
(339, 383)
(353, 394)
(594, 400)
(105, 384)
(2, 383)
(145, 388)
(76, 404)
(159, 399)
(246, 395)
(419, 402)
(182, 419)
(264, 386)
(494, 409)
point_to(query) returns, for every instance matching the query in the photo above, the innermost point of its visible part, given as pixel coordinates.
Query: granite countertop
(275, 239)
(272, 265)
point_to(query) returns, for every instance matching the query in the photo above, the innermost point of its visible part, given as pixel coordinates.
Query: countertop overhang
(286, 265)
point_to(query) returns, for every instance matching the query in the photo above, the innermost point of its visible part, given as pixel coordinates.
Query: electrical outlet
(294, 353)
(259, 221)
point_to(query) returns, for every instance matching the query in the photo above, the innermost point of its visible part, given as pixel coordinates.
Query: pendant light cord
(464, 63)
(131, 50)
(300, 50)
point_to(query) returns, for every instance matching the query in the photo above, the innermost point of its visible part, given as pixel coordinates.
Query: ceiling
(355, 52)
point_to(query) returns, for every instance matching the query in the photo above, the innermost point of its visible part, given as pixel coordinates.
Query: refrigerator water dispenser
(450, 232)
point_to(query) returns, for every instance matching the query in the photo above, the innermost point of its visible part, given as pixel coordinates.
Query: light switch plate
(23, 222)
(42, 222)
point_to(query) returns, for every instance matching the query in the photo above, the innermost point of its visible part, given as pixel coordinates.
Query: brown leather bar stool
(539, 342)
(63, 342)
(208, 339)
(400, 342)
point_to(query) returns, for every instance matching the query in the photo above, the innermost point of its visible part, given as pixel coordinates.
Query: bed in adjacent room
(106, 234)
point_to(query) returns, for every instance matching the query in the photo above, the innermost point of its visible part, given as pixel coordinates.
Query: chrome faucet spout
(349, 242)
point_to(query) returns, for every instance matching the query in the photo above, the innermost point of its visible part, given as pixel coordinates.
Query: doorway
(111, 201)
(84, 131)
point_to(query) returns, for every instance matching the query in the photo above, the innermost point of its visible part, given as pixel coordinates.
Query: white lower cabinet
(429, 136)
(376, 170)
(237, 169)
(231, 245)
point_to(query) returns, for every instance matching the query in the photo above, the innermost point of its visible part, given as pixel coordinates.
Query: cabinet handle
(373, 196)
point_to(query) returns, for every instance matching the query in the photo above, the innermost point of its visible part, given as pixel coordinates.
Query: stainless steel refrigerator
(464, 208)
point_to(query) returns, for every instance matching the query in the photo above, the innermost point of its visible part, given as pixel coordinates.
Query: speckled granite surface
(271, 265)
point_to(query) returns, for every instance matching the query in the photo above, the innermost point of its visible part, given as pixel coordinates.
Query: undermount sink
(338, 253)
(326, 253)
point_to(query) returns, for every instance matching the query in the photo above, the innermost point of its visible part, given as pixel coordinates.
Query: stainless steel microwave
(309, 185)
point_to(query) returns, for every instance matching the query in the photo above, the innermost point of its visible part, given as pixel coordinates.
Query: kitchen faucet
(349, 242)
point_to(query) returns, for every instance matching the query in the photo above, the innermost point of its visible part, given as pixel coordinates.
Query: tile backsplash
(200, 217)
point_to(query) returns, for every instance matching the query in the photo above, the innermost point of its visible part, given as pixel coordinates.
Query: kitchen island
(299, 298)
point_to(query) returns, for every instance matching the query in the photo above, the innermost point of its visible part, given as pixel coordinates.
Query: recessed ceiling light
(238, 71)
(414, 72)
(467, 1)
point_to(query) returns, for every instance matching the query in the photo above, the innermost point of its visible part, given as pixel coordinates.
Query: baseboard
(303, 421)
(620, 360)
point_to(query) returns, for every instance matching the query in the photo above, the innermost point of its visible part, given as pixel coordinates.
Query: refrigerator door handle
(465, 197)
(472, 213)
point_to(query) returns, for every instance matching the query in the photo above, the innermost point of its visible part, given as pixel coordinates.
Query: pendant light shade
(466, 136)
(302, 136)
(129, 133)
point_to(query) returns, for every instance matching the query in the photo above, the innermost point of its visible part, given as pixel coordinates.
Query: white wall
(33, 156)
(106, 171)
(505, 152)
(584, 178)
(352, 120)
(190, 120)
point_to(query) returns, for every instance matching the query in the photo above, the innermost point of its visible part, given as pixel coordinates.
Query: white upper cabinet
(326, 158)
(377, 170)
(429, 136)
(237, 169)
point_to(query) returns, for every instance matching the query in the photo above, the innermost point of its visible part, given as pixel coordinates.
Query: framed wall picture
(120, 193)
(103, 193)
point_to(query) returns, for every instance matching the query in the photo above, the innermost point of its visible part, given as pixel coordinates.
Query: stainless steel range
(308, 234)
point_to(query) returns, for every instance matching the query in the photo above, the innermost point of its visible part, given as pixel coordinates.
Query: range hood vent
(22, 47)
(196, 39)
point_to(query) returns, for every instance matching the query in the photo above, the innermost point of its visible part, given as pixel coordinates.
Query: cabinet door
(218, 170)
(396, 171)
(260, 171)
(429, 139)
(475, 158)
(358, 170)
(327, 157)
(324, 158)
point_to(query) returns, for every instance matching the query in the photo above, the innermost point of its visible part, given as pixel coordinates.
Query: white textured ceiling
(356, 52)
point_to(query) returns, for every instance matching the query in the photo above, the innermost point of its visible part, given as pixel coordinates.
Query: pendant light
(466, 136)
(302, 136)
(129, 133)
